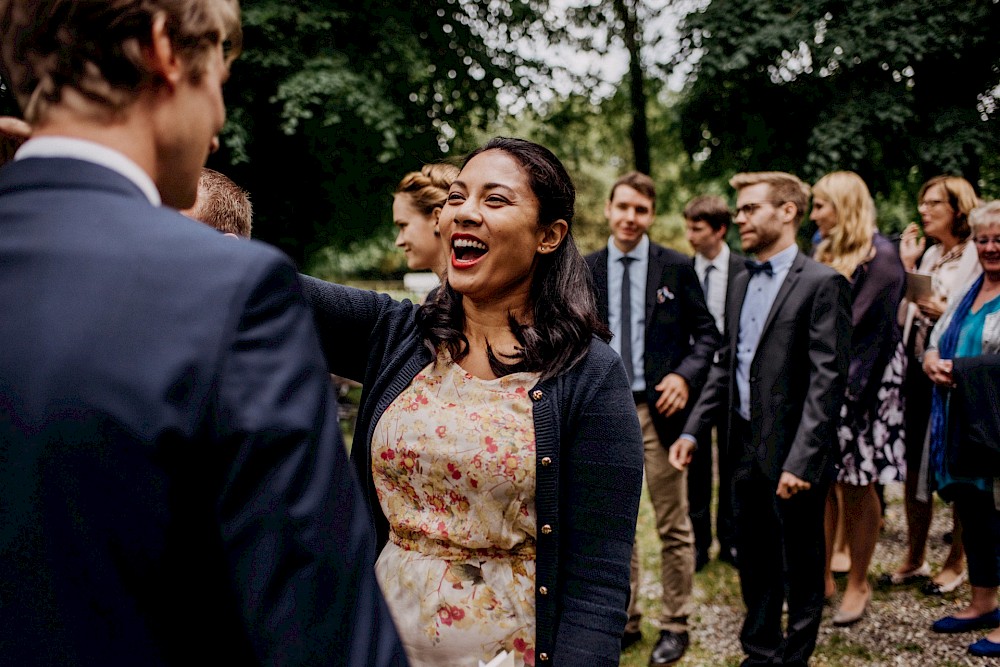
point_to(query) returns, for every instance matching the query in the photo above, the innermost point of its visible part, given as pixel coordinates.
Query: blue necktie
(626, 314)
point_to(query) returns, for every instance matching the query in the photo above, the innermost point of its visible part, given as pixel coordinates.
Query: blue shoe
(984, 648)
(950, 624)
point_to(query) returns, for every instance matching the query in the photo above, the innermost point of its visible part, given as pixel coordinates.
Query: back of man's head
(222, 204)
(785, 187)
(97, 48)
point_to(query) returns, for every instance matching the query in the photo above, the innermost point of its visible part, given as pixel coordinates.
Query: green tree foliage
(595, 26)
(896, 91)
(333, 101)
(592, 139)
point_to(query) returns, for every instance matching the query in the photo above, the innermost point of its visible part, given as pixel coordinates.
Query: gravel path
(895, 631)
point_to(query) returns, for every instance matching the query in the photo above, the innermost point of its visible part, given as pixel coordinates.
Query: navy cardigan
(588, 465)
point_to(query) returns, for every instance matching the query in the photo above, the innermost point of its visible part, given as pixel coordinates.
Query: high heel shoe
(843, 618)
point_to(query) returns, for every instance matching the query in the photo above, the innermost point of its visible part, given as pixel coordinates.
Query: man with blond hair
(780, 378)
(173, 482)
(222, 205)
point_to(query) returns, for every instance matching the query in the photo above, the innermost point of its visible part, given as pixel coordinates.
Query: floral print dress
(453, 461)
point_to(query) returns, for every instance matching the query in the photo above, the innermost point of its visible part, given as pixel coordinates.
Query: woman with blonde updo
(416, 205)
(870, 432)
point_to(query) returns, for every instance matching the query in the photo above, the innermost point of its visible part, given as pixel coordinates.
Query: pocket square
(663, 294)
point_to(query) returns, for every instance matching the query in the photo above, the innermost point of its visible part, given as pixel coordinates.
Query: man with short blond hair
(780, 378)
(222, 205)
(173, 482)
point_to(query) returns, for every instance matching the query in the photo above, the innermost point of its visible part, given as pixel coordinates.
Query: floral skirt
(872, 437)
(454, 613)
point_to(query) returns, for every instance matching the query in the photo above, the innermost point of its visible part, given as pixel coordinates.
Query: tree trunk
(637, 92)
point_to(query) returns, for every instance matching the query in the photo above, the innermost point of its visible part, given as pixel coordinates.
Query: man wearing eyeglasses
(780, 378)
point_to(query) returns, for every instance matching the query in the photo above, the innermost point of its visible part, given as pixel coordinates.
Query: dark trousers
(700, 493)
(781, 558)
(980, 534)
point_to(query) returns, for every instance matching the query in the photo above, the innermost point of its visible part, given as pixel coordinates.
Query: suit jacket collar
(90, 151)
(786, 287)
(65, 173)
(738, 292)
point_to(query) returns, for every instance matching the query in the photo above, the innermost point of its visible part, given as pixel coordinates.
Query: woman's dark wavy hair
(562, 293)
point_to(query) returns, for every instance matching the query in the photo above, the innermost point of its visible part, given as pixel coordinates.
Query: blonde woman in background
(870, 433)
(416, 206)
(944, 203)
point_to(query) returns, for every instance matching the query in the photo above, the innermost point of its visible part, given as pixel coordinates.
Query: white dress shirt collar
(639, 252)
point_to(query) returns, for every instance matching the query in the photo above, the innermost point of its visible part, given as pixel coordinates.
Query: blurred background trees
(333, 101)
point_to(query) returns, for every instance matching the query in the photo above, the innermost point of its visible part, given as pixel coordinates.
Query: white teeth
(469, 243)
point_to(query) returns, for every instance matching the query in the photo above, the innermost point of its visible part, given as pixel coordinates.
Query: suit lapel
(600, 270)
(737, 268)
(654, 270)
(734, 304)
(786, 287)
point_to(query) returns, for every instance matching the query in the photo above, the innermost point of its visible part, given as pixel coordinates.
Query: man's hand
(673, 394)
(789, 485)
(680, 453)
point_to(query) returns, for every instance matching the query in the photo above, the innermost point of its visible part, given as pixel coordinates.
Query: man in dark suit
(173, 482)
(650, 297)
(781, 376)
(706, 221)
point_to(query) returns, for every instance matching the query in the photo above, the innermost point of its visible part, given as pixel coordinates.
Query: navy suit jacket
(797, 376)
(680, 332)
(173, 484)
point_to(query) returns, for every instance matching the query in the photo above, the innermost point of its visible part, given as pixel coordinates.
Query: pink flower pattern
(453, 460)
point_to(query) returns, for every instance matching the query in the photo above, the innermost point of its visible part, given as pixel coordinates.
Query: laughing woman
(497, 435)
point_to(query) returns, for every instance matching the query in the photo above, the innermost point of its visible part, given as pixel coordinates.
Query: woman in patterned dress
(870, 433)
(497, 436)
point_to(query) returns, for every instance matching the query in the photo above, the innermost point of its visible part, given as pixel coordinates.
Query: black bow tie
(759, 267)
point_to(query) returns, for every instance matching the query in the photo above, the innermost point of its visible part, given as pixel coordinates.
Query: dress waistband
(448, 551)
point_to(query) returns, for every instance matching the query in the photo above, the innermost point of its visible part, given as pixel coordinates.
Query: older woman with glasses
(961, 362)
(944, 205)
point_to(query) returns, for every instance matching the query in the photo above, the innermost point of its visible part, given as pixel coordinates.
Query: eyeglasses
(931, 203)
(749, 209)
(983, 241)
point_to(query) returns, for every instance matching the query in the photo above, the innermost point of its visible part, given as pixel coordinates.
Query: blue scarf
(946, 348)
